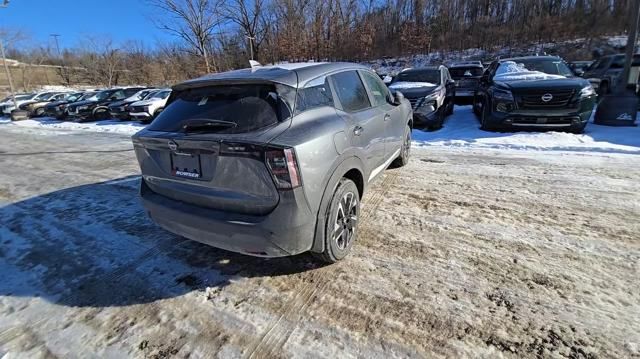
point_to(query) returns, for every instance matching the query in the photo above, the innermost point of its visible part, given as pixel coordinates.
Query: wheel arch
(351, 168)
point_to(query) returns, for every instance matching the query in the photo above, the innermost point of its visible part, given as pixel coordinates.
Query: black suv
(431, 92)
(467, 77)
(603, 74)
(533, 92)
(97, 107)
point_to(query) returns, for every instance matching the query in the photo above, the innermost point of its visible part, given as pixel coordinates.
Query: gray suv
(272, 161)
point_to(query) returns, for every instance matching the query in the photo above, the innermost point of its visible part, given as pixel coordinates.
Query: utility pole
(251, 38)
(63, 70)
(634, 17)
(5, 3)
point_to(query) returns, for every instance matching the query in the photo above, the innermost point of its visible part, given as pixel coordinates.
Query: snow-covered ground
(462, 129)
(113, 126)
(465, 252)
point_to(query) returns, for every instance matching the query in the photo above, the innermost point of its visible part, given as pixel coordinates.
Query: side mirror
(578, 72)
(398, 97)
(451, 82)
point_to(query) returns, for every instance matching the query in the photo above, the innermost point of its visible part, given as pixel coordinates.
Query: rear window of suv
(250, 107)
(461, 72)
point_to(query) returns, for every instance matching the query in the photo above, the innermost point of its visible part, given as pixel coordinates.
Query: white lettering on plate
(187, 174)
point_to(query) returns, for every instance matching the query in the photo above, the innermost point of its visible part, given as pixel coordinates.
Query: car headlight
(503, 95)
(587, 91)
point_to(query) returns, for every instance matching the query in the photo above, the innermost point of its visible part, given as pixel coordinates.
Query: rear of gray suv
(272, 161)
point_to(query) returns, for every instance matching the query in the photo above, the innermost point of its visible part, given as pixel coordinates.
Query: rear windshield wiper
(197, 125)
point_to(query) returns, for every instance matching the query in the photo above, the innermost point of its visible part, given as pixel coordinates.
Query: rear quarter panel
(322, 142)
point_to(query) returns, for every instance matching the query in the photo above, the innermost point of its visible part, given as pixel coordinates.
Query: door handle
(387, 117)
(358, 130)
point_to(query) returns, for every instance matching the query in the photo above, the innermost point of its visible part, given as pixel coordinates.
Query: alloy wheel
(407, 145)
(346, 219)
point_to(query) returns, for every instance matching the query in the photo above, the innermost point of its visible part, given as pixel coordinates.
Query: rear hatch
(466, 77)
(209, 147)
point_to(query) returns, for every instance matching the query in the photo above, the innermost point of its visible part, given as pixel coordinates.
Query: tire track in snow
(274, 338)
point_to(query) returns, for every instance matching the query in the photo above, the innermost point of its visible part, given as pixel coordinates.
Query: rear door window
(316, 93)
(249, 107)
(350, 91)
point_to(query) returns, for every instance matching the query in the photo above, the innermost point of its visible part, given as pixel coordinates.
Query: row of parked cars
(531, 92)
(127, 103)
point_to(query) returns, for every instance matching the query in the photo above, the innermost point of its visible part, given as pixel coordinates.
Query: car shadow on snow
(94, 246)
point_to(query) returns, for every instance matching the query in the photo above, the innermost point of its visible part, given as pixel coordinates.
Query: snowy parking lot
(485, 245)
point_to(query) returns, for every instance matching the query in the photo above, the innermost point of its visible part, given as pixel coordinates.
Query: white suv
(146, 110)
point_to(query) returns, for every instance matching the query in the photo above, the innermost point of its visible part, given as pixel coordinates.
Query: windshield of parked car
(519, 70)
(430, 76)
(547, 66)
(73, 96)
(462, 72)
(160, 95)
(223, 109)
(44, 96)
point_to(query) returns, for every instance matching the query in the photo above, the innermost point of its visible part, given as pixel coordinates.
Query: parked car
(533, 92)
(57, 108)
(272, 161)
(97, 107)
(8, 106)
(431, 92)
(467, 77)
(120, 109)
(603, 73)
(35, 108)
(147, 109)
(579, 67)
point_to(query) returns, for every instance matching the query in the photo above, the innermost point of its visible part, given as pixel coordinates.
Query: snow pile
(409, 85)
(463, 130)
(112, 126)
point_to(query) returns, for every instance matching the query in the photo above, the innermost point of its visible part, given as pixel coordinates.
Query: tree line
(218, 35)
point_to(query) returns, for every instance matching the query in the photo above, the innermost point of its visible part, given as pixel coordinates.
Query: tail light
(281, 162)
(283, 165)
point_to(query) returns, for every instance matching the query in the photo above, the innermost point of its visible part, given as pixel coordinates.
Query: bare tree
(102, 61)
(248, 15)
(193, 21)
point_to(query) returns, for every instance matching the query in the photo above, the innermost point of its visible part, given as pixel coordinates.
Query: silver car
(272, 161)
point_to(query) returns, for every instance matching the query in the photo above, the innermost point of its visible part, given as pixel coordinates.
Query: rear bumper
(464, 92)
(287, 230)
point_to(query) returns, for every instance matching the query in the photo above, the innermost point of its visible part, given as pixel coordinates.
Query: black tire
(100, 115)
(341, 225)
(484, 123)
(405, 150)
(578, 130)
(450, 108)
(38, 112)
(603, 90)
(476, 110)
(156, 113)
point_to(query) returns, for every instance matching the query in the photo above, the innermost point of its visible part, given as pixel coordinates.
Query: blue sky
(73, 19)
